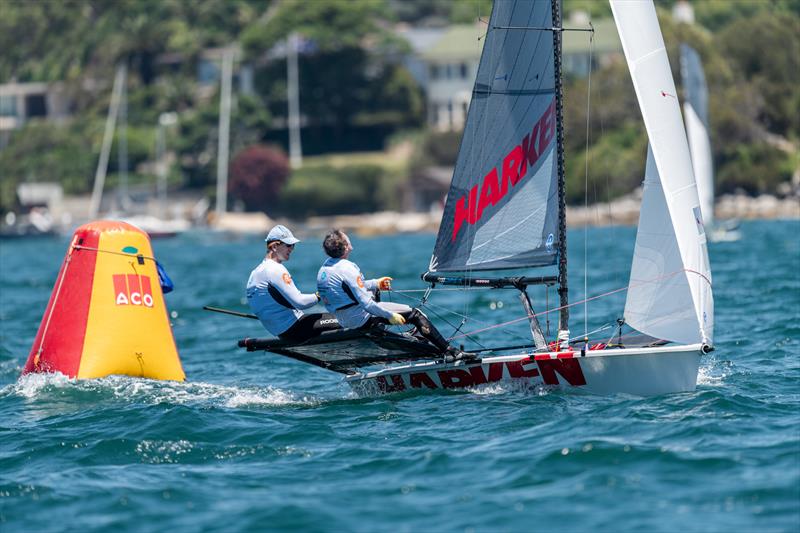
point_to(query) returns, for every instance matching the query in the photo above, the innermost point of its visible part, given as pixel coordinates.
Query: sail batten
(505, 179)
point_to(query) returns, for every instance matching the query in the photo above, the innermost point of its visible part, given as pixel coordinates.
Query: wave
(148, 391)
(713, 372)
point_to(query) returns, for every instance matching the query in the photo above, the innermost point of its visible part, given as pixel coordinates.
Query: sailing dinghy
(506, 210)
(695, 110)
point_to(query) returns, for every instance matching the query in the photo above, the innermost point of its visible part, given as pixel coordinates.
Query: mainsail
(695, 109)
(670, 272)
(502, 207)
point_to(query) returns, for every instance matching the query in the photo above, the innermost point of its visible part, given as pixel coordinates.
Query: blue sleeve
(355, 280)
(290, 291)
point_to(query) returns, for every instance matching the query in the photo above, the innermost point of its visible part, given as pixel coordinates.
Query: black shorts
(309, 326)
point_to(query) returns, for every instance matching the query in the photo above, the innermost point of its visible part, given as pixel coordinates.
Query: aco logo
(287, 279)
(133, 289)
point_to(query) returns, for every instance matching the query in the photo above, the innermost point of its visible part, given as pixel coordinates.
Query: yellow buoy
(106, 313)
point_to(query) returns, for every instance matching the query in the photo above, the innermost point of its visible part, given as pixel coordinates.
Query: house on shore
(21, 102)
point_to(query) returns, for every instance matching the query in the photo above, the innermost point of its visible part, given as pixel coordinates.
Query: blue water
(254, 441)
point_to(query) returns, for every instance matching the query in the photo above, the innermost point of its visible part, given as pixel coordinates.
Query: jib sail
(669, 294)
(502, 207)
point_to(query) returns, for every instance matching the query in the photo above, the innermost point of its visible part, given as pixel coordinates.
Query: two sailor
(347, 296)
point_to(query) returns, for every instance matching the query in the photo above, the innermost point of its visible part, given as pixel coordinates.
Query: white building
(20, 102)
(452, 64)
(445, 62)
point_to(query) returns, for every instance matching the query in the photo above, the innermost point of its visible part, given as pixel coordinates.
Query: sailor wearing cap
(274, 298)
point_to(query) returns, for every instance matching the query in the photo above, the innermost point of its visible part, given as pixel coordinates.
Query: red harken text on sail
(470, 208)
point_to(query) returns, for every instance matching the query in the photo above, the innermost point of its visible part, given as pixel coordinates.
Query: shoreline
(622, 211)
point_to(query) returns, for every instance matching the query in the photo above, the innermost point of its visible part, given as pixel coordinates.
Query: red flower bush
(257, 176)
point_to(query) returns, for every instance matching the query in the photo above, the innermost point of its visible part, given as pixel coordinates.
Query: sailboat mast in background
(108, 137)
(224, 131)
(123, 198)
(293, 90)
(695, 110)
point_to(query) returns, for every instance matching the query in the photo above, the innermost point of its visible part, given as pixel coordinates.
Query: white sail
(700, 147)
(695, 111)
(670, 275)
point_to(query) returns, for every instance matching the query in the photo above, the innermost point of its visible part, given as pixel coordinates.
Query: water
(254, 441)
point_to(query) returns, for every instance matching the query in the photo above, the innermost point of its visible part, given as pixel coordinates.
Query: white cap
(283, 234)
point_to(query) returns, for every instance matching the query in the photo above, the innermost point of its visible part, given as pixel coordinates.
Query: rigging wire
(603, 295)
(586, 189)
(431, 307)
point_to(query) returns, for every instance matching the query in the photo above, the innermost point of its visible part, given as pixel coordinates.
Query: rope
(431, 307)
(55, 301)
(125, 254)
(586, 188)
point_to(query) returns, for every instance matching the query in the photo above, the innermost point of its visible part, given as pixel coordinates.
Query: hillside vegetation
(356, 95)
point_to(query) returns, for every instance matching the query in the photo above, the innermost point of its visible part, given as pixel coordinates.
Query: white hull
(727, 231)
(637, 371)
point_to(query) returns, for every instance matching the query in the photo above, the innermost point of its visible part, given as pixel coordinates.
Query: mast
(563, 315)
(224, 131)
(292, 87)
(122, 146)
(108, 137)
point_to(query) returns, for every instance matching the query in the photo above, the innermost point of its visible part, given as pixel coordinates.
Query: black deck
(343, 351)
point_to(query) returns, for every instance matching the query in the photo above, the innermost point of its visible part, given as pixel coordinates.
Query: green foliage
(613, 104)
(435, 148)
(198, 136)
(346, 78)
(754, 168)
(42, 152)
(328, 190)
(55, 41)
(141, 144)
(716, 14)
(754, 98)
(616, 165)
(766, 49)
(331, 24)
(466, 11)
(594, 8)
(351, 80)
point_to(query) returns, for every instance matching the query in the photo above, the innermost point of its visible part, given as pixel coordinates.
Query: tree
(349, 65)
(765, 50)
(257, 176)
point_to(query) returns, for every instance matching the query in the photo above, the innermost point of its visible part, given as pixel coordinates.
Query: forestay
(502, 207)
(669, 294)
(695, 109)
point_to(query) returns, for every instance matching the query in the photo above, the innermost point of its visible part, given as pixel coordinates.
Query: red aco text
(132, 289)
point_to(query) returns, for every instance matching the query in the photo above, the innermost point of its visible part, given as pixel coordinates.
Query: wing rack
(343, 351)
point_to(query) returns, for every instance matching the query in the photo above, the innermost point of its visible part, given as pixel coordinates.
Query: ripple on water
(258, 441)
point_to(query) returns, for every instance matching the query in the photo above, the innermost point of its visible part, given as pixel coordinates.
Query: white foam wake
(713, 373)
(42, 386)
